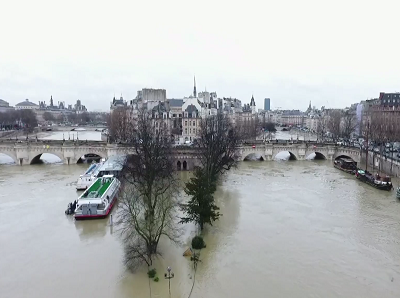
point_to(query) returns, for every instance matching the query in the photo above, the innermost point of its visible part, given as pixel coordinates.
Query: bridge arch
(343, 156)
(315, 155)
(246, 152)
(292, 156)
(354, 154)
(257, 156)
(36, 158)
(4, 155)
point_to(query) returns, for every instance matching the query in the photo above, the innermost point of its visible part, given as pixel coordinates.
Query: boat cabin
(382, 178)
(98, 188)
(93, 200)
(112, 166)
(346, 163)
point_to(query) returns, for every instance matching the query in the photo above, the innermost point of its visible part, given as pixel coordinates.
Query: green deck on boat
(98, 188)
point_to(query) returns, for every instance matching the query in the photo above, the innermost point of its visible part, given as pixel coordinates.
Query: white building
(5, 106)
(26, 105)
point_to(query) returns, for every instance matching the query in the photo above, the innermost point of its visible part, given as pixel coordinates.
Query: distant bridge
(185, 157)
(300, 151)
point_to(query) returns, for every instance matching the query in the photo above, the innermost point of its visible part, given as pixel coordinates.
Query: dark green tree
(201, 207)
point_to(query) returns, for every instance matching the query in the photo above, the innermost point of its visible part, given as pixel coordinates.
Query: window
(186, 131)
(194, 130)
(194, 123)
(185, 123)
(190, 130)
(174, 115)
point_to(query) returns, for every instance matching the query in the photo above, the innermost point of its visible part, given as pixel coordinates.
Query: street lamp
(168, 276)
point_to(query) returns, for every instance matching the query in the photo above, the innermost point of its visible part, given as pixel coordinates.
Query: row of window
(391, 100)
(190, 131)
(165, 124)
(191, 123)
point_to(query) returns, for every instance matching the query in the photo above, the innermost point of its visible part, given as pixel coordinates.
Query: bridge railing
(53, 142)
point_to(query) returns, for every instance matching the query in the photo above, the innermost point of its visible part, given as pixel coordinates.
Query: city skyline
(291, 56)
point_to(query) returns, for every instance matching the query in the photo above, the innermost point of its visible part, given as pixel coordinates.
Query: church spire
(194, 88)
(252, 102)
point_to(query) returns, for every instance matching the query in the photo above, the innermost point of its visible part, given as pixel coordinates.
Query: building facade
(26, 105)
(5, 106)
(267, 104)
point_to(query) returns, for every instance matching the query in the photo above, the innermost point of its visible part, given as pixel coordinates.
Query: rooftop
(26, 103)
(175, 102)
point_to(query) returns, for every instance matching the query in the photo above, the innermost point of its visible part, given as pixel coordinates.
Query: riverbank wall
(388, 166)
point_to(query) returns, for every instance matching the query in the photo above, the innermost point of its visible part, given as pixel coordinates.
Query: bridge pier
(70, 160)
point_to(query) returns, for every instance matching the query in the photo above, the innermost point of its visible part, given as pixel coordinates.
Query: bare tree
(334, 124)
(376, 133)
(322, 128)
(149, 201)
(349, 124)
(72, 117)
(121, 126)
(84, 117)
(60, 118)
(142, 226)
(217, 144)
(47, 116)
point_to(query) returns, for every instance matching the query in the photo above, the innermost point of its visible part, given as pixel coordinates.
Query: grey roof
(175, 102)
(26, 103)
(3, 103)
(161, 108)
(191, 109)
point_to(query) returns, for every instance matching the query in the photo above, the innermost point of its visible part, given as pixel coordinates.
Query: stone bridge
(185, 157)
(300, 151)
(25, 153)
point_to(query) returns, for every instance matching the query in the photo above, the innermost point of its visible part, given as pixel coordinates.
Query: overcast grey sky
(333, 53)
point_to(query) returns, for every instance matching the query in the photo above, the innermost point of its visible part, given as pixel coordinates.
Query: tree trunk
(152, 248)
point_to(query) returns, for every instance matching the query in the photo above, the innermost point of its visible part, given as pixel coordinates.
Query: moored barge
(97, 201)
(377, 181)
(346, 165)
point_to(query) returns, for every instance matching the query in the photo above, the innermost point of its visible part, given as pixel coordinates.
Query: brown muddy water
(289, 229)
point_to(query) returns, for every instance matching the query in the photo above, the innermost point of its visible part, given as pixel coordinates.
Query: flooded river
(289, 229)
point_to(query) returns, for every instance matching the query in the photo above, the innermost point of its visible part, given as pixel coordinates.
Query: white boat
(104, 135)
(85, 180)
(98, 200)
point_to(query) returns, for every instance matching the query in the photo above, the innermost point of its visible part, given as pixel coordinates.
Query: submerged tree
(217, 145)
(149, 200)
(217, 151)
(201, 207)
